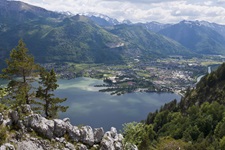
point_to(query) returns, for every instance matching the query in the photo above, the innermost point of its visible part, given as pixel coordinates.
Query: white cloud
(165, 11)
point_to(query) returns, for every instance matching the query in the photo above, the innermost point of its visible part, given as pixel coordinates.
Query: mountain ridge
(58, 37)
(197, 38)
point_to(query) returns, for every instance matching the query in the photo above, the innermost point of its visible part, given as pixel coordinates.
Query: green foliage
(53, 37)
(148, 43)
(48, 83)
(220, 129)
(222, 143)
(2, 92)
(168, 143)
(20, 71)
(200, 39)
(139, 134)
(198, 119)
(3, 134)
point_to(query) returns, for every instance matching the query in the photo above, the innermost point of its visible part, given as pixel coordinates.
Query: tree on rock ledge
(45, 92)
(20, 71)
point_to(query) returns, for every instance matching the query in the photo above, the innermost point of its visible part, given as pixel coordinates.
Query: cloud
(143, 1)
(165, 11)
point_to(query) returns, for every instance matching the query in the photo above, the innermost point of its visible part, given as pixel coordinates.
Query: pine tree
(20, 71)
(48, 82)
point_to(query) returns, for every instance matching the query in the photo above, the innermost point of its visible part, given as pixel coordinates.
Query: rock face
(59, 127)
(7, 146)
(61, 132)
(112, 140)
(98, 134)
(87, 135)
(1, 118)
(40, 125)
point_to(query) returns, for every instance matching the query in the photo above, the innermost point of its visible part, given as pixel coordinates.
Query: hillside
(141, 42)
(196, 122)
(196, 37)
(55, 37)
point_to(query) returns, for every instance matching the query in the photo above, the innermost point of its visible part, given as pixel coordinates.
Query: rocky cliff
(26, 130)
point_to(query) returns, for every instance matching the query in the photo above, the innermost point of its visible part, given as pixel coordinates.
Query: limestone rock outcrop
(112, 140)
(60, 132)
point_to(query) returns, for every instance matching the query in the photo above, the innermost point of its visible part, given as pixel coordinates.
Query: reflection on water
(87, 106)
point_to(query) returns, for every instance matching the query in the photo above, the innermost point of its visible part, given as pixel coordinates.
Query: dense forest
(196, 122)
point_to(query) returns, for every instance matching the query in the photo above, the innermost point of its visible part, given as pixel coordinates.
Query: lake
(87, 106)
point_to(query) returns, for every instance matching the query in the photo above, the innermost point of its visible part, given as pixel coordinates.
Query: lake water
(87, 106)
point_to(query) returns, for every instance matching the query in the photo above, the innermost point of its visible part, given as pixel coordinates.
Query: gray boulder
(40, 125)
(1, 118)
(98, 135)
(113, 132)
(69, 146)
(29, 145)
(87, 135)
(7, 122)
(107, 142)
(81, 147)
(26, 109)
(131, 146)
(66, 120)
(14, 116)
(118, 145)
(7, 146)
(74, 133)
(112, 140)
(59, 127)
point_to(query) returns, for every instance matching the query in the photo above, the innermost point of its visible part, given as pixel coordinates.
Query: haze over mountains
(95, 38)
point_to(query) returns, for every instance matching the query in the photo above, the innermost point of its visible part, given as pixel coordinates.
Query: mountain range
(95, 38)
(197, 37)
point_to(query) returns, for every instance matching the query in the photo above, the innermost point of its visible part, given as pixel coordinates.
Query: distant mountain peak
(127, 22)
(67, 13)
(100, 19)
(198, 23)
(91, 14)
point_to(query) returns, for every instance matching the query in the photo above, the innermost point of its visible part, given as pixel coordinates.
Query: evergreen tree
(45, 92)
(20, 71)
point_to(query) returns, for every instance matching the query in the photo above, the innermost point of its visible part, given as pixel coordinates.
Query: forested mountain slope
(197, 121)
(196, 37)
(57, 37)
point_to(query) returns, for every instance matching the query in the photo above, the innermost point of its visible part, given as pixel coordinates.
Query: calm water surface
(87, 106)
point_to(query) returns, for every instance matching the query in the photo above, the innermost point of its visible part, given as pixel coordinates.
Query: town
(173, 74)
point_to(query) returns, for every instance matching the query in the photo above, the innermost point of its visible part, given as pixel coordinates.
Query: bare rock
(107, 142)
(59, 127)
(112, 140)
(74, 133)
(7, 146)
(98, 135)
(81, 147)
(70, 146)
(14, 116)
(66, 120)
(118, 145)
(113, 132)
(87, 135)
(28, 145)
(26, 109)
(131, 146)
(1, 118)
(40, 125)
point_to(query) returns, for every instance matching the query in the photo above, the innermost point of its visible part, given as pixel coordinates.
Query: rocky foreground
(32, 131)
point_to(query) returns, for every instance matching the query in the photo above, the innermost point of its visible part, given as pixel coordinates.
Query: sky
(163, 11)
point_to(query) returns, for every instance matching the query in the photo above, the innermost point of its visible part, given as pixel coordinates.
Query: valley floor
(173, 74)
